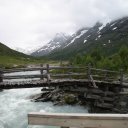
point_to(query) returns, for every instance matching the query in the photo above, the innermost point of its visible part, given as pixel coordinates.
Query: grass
(11, 61)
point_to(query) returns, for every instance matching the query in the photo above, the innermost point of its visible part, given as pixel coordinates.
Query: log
(104, 105)
(79, 120)
(24, 76)
(92, 96)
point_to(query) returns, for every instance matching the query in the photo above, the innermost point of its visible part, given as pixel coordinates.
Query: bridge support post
(41, 72)
(48, 75)
(121, 77)
(89, 71)
(1, 76)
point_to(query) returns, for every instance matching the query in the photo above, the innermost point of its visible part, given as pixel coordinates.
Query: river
(15, 105)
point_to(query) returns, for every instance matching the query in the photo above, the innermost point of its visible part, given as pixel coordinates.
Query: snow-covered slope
(107, 38)
(27, 50)
(57, 42)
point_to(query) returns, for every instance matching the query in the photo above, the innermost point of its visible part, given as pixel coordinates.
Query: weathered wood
(104, 105)
(92, 96)
(39, 68)
(79, 120)
(68, 74)
(89, 71)
(121, 77)
(48, 75)
(102, 70)
(76, 79)
(55, 83)
(1, 76)
(40, 76)
(41, 72)
(24, 76)
(93, 82)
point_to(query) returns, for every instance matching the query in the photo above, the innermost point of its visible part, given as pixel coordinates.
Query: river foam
(15, 105)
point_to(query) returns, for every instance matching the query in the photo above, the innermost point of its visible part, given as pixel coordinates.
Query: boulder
(70, 99)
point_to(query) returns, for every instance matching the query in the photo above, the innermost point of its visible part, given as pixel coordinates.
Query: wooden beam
(79, 120)
(24, 76)
(93, 82)
(103, 70)
(39, 68)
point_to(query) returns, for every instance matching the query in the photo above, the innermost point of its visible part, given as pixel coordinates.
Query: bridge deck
(53, 83)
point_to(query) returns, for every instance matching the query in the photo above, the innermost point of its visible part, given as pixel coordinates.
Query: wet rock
(1, 90)
(70, 99)
(61, 97)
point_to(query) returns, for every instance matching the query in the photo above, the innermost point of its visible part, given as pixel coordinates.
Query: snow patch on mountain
(57, 42)
(114, 28)
(85, 41)
(27, 50)
(77, 37)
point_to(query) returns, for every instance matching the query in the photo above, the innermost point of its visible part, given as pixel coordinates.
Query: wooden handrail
(50, 71)
(79, 120)
(103, 70)
(39, 68)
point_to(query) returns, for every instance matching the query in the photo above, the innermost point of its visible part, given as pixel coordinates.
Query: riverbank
(114, 103)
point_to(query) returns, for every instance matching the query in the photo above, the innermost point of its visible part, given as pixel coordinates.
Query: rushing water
(15, 105)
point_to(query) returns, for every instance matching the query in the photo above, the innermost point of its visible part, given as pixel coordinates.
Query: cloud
(30, 23)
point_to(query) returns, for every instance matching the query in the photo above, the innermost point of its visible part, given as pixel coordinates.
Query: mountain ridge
(57, 42)
(108, 38)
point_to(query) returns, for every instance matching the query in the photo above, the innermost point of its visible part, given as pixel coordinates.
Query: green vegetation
(97, 59)
(10, 58)
(12, 61)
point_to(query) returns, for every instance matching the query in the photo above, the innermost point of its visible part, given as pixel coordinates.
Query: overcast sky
(32, 23)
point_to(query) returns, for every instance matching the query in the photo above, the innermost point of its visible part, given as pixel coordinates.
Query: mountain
(106, 38)
(10, 58)
(60, 40)
(6, 51)
(28, 50)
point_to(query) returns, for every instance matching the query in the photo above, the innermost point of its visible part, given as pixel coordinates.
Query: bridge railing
(63, 72)
(65, 120)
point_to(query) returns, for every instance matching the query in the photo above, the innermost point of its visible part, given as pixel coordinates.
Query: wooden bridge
(59, 76)
(100, 87)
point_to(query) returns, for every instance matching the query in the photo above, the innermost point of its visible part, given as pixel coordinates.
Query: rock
(1, 90)
(70, 99)
(59, 103)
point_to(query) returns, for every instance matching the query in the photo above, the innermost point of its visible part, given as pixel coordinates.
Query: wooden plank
(103, 70)
(93, 82)
(41, 72)
(39, 68)
(48, 75)
(23, 76)
(79, 120)
(68, 74)
(92, 96)
(54, 83)
(121, 77)
(104, 105)
(40, 76)
(1, 76)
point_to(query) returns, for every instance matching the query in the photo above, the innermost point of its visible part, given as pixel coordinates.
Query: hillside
(106, 38)
(6, 51)
(10, 58)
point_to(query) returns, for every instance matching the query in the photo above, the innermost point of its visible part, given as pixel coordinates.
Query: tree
(124, 56)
